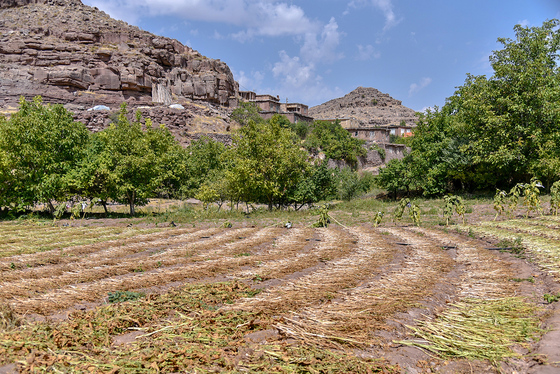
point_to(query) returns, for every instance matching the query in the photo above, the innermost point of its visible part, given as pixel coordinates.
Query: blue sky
(311, 51)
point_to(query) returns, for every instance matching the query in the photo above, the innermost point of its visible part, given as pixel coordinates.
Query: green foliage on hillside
(335, 142)
(493, 132)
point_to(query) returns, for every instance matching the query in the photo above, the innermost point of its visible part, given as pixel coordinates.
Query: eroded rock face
(369, 106)
(71, 53)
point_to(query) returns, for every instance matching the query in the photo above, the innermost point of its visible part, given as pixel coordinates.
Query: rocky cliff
(74, 54)
(369, 106)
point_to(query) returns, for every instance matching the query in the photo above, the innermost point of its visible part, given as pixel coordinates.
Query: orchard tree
(203, 158)
(138, 163)
(39, 147)
(264, 163)
(246, 112)
(510, 117)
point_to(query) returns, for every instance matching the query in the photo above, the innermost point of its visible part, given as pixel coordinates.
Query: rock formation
(71, 53)
(369, 106)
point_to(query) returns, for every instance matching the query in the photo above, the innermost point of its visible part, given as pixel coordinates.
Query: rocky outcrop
(191, 121)
(368, 106)
(71, 53)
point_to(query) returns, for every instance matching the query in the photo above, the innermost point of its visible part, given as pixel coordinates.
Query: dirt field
(346, 299)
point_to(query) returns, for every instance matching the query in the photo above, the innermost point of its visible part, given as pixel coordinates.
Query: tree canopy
(496, 131)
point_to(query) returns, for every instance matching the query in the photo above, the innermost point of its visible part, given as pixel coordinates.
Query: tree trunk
(131, 201)
(104, 203)
(51, 207)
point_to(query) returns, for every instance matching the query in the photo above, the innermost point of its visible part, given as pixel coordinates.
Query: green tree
(93, 176)
(510, 117)
(319, 183)
(493, 132)
(336, 142)
(139, 163)
(39, 147)
(203, 157)
(246, 112)
(265, 163)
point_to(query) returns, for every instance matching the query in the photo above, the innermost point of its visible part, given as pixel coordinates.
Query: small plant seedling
(531, 193)
(324, 217)
(555, 198)
(500, 201)
(530, 280)
(413, 211)
(453, 202)
(257, 278)
(12, 266)
(378, 218)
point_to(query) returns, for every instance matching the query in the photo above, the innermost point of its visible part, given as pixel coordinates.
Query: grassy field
(235, 292)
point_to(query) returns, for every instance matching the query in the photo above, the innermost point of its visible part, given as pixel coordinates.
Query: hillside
(77, 55)
(369, 106)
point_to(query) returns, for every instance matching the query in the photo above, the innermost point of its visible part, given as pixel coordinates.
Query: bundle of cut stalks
(479, 329)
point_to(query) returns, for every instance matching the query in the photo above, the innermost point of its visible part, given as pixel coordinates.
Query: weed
(8, 318)
(121, 296)
(12, 266)
(530, 280)
(245, 254)
(551, 298)
(513, 246)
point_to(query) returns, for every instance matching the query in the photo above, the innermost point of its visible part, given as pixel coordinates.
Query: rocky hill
(77, 55)
(369, 106)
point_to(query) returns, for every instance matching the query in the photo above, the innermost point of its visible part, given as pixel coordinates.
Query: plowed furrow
(62, 256)
(526, 226)
(94, 269)
(544, 251)
(295, 253)
(343, 272)
(67, 296)
(26, 243)
(486, 275)
(116, 254)
(354, 314)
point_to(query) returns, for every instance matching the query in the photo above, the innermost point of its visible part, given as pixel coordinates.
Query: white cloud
(251, 82)
(385, 6)
(297, 75)
(256, 17)
(322, 48)
(524, 23)
(293, 71)
(367, 52)
(417, 87)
